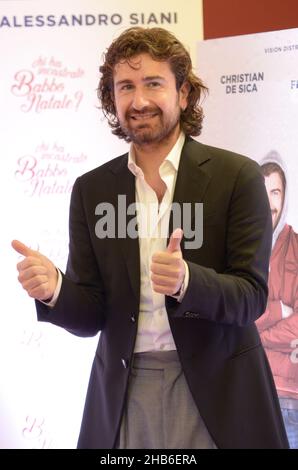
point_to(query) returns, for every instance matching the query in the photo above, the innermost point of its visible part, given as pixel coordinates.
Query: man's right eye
(126, 87)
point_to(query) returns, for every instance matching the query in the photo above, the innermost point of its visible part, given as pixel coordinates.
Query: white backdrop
(51, 131)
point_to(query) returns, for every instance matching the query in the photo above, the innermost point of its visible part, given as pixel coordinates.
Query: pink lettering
(33, 427)
(24, 79)
(48, 86)
(38, 104)
(27, 165)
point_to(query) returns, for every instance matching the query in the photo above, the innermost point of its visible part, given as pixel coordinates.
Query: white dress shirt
(154, 332)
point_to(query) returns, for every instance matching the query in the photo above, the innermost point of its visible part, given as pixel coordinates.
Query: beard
(142, 131)
(275, 218)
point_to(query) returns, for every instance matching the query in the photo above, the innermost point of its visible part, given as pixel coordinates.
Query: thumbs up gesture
(167, 267)
(37, 274)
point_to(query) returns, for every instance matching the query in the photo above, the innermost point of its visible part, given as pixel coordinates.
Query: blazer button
(133, 318)
(191, 315)
(125, 363)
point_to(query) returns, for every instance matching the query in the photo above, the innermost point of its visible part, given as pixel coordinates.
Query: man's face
(275, 193)
(147, 102)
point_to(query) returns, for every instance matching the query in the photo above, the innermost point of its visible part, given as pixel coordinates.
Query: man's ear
(183, 95)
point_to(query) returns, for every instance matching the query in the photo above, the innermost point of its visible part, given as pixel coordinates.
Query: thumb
(175, 240)
(22, 249)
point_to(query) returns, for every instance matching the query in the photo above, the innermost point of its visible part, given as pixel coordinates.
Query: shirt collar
(173, 157)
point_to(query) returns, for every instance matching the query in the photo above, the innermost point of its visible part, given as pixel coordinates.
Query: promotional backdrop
(52, 131)
(252, 106)
(252, 109)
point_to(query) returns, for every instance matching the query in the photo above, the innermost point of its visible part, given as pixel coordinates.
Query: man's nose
(271, 203)
(140, 99)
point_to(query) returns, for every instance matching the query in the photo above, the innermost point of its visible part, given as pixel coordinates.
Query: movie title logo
(47, 170)
(242, 83)
(35, 431)
(32, 338)
(47, 85)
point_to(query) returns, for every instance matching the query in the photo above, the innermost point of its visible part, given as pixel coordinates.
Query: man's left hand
(167, 267)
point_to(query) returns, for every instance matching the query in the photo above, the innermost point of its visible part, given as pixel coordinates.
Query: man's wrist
(51, 302)
(181, 292)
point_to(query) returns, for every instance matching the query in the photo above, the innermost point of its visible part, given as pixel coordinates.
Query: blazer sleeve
(80, 305)
(238, 295)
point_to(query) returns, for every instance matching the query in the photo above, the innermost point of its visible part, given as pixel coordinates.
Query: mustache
(144, 111)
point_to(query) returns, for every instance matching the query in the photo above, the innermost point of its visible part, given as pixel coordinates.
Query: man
(278, 326)
(179, 362)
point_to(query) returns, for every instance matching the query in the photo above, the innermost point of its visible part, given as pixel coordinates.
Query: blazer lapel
(192, 179)
(129, 246)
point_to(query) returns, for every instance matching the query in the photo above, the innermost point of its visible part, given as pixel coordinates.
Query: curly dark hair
(161, 45)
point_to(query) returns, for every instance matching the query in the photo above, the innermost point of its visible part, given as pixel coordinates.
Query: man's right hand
(37, 274)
